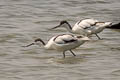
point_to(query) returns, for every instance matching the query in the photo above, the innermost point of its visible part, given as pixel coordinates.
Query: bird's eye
(36, 40)
(62, 22)
(79, 36)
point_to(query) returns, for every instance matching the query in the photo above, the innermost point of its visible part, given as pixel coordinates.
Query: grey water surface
(22, 21)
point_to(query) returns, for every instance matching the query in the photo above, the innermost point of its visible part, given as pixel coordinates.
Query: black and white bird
(85, 27)
(62, 42)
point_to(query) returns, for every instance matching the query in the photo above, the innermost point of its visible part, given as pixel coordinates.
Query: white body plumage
(65, 42)
(89, 26)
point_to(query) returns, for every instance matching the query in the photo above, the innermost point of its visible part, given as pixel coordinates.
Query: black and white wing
(65, 39)
(87, 23)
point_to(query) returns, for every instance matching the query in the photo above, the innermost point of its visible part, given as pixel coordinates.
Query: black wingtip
(115, 26)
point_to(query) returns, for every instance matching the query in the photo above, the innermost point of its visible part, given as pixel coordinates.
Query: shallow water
(22, 21)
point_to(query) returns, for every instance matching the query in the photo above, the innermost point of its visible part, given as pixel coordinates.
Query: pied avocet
(62, 42)
(85, 27)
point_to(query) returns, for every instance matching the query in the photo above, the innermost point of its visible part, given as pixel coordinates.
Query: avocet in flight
(85, 27)
(63, 42)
